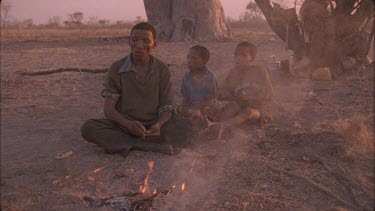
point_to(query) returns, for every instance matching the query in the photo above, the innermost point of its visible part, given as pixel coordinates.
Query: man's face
(242, 57)
(141, 42)
(195, 61)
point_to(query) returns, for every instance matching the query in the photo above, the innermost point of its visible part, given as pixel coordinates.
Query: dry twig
(311, 182)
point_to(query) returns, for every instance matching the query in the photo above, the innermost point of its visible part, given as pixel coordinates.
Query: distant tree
(69, 24)
(93, 21)
(138, 19)
(253, 10)
(120, 22)
(54, 21)
(28, 23)
(103, 22)
(6, 7)
(76, 18)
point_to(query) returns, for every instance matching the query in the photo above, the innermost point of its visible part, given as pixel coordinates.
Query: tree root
(314, 184)
(60, 70)
(343, 176)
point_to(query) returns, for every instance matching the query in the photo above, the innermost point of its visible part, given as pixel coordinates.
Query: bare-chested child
(198, 85)
(247, 88)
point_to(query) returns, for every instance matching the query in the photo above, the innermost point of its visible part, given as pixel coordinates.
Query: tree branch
(278, 19)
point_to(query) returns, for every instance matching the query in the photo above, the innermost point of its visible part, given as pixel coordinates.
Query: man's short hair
(250, 46)
(145, 26)
(203, 52)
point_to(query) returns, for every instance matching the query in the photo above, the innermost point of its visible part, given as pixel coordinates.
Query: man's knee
(88, 128)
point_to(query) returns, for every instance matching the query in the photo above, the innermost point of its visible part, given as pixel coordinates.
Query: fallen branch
(311, 182)
(69, 69)
(60, 70)
(113, 39)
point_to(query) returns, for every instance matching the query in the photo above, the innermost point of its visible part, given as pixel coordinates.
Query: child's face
(195, 61)
(242, 57)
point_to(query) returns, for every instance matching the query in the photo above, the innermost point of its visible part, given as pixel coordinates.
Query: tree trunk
(187, 20)
(325, 36)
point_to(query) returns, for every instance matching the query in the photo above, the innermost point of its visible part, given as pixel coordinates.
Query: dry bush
(359, 138)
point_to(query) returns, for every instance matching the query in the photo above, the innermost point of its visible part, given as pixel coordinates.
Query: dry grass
(44, 34)
(360, 139)
(48, 34)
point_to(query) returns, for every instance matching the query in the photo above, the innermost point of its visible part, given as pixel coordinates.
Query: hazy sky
(40, 10)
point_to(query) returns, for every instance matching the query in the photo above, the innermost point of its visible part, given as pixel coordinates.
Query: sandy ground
(41, 117)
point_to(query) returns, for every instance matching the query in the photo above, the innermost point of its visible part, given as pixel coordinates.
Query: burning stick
(99, 169)
(143, 188)
(79, 178)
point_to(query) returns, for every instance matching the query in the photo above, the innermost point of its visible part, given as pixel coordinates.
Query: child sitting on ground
(247, 88)
(198, 87)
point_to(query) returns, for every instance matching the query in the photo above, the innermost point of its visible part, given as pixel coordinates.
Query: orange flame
(144, 188)
(155, 191)
(183, 186)
(150, 165)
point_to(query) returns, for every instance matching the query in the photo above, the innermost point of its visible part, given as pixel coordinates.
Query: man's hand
(154, 130)
(136, 128)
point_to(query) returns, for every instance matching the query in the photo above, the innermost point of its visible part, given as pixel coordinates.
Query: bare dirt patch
(298, 162)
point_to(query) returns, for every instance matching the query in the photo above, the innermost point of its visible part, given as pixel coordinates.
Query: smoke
(201, 171)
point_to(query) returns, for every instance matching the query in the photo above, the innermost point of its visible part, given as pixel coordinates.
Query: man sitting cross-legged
(138, 99)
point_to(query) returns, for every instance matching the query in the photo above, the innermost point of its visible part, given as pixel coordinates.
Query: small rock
(264, 186)
(300, 68)
(312, 94)
(227, 205)
(296, 124)
(348, 63)
(322, 74)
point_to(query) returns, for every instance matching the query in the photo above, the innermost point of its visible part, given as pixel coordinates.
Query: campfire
(141, 200)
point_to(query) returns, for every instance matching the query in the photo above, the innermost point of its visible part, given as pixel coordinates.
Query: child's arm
(245, 96)
(225, 94)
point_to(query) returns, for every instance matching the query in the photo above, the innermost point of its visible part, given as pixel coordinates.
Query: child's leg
(242, 116)
(230, 110)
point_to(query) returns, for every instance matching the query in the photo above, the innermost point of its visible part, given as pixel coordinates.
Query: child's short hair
(145, 26)
(203, 52)
(252, 48)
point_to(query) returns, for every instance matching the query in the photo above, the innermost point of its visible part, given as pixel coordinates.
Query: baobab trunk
(182, 20)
